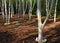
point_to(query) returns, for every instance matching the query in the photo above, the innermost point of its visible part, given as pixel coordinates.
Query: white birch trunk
(48, 11)
(24, 7)
(3, 9)
(19, 9)
(55, 11)
(39, 39)
(6, 11)
(9, 11)
(40, 24)
(52, 2)
(16, 6)
(33, 4)
(30, 10)
(12, 10)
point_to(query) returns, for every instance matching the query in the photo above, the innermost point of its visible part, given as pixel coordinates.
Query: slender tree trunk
(47, 7)
(52, 2)
(9, 11)
(33, 4)
(40, 24)
(48, 1)
(12, 10)
(19, 8)
(3, 9)
(16, 6)
(6, 11)
(30, 10)
(24, 7)
(48, 12)
(39, 39)
(55, 11)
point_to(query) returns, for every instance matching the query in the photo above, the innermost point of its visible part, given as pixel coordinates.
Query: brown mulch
(15, 33)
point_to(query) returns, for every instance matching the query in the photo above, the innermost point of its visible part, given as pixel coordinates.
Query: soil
(25, 31)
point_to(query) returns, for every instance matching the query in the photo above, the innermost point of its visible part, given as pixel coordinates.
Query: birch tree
(30, 9)
(39, 39)
(12, 10)
(31, 6)
(52, 2)
(55, 11)
(9, 11)
(40, 24)
(24, 6)
(6, 12)
(19, 8)
(3, 9)
(49, 5)
(16, 6)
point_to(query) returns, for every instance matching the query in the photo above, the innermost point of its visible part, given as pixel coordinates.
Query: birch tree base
(6, 23)
(41, 40)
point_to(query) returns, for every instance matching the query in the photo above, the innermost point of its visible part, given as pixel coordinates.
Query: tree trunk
(9, 11)
(16, 7)
(12, 10)
(6, 11)
(40, 24)
(55, 11)
(39, 39)
(30, 10)
(24, 2)
(3, 9)
(23, 8)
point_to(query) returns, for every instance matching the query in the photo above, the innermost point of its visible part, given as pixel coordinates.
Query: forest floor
(21, 30)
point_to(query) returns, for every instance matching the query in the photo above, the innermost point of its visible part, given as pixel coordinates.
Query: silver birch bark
(39, 39)
(30, 9)
(9, 11)
(52, 2)
(48, 11)
(40, 24)
(31, 6)
(19, 8)
(6, 11)
(2, 8)
(12, 10)
(16, 6)
(55, 11)
(24, 7)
